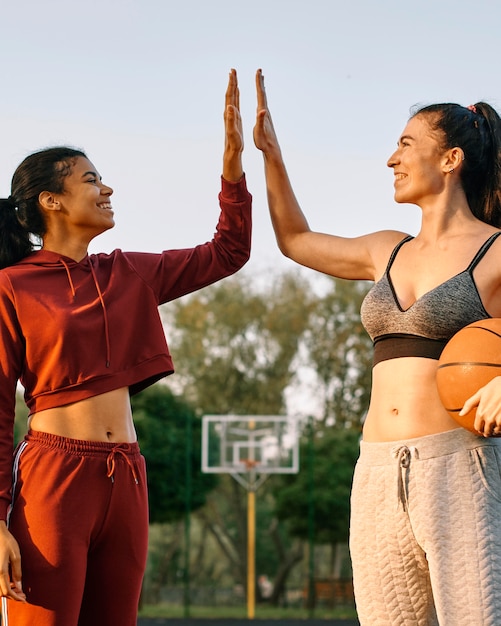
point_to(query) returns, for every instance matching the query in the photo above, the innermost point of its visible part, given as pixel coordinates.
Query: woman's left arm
(487, 402)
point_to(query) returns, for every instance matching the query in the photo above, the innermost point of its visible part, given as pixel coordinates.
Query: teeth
(105, 205)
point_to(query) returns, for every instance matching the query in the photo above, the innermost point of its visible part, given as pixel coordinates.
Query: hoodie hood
(47, 258)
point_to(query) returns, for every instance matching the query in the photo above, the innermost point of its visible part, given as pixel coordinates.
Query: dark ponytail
(477, 131)
(15, 241)
(22, 224)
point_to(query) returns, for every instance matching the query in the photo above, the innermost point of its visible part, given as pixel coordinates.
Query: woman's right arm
(11, 360)
(352, 258)
(10, 566)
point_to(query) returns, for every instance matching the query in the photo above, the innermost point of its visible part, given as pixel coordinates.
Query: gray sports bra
(424, 328)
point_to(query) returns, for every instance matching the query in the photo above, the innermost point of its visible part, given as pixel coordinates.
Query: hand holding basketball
(468, 377)
(485, 405)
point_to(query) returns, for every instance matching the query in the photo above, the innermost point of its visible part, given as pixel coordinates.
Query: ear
(48, 201)
(453, 159)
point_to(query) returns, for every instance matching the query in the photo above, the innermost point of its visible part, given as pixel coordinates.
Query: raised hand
(264, 133)
(234, 138)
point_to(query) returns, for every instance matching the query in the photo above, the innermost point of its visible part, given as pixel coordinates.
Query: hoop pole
(251, 553)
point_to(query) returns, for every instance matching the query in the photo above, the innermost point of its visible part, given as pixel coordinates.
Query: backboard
(257, 444)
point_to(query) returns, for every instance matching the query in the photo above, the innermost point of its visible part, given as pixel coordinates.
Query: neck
(71, 249)
(447, 215)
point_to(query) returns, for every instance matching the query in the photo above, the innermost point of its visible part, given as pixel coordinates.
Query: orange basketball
(470, 359)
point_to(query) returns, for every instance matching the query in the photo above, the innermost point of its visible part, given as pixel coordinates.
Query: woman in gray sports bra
(425, 535)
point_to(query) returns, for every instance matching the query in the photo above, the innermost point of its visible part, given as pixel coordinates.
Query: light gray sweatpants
(425, 535)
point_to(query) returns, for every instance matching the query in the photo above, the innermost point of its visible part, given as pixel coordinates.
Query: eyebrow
(404, 137)
(91, 173)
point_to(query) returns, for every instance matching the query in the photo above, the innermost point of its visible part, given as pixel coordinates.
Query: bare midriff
(106, 417)
(405, 401)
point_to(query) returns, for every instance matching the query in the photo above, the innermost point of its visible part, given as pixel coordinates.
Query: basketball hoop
(250, 464)
(250, 448)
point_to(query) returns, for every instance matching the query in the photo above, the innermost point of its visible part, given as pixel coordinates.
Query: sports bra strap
(395, 251)
(480, 254)
(476, 259)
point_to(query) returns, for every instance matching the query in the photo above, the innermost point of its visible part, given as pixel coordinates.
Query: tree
(161, 423)
(340, 353)
(237, 350)
(240, 350)
(335, 452)
(237, 346)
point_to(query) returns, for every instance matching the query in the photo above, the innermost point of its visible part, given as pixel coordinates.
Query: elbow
(238, 259)
(284, 250)
(245, 257)
(285, 247)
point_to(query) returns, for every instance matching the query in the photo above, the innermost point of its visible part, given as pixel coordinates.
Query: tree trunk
(288, 559)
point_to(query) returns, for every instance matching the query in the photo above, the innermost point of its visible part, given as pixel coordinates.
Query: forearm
(287, 217)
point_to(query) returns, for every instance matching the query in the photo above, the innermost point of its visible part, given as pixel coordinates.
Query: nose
(392, 161)
(106, 190)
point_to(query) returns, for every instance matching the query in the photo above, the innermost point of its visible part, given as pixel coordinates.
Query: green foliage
(241, 350)
(340, 353)
(324, 481)
(168, 432)
(225, 518)
(237, 345)
(21, 421)
(295, 613)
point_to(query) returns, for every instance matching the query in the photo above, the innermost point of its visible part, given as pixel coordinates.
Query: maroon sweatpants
(80, 515)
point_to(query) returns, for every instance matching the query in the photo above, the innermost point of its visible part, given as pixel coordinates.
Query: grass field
(237, 612)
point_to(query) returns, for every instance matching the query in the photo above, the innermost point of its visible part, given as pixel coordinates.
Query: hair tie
(472, 108)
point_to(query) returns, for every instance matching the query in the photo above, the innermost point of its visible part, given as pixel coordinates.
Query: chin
(104, 229)
(401, 198)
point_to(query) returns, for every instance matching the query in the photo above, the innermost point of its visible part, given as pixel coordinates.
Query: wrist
(273, 155)
(232, 168)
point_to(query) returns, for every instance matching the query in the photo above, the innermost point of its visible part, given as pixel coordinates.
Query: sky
(139, 85)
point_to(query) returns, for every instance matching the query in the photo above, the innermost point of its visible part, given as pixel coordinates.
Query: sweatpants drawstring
(403, 454)
(110, 461)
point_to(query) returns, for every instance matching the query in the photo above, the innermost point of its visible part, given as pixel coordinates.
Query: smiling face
(418, 163)
(85, 202)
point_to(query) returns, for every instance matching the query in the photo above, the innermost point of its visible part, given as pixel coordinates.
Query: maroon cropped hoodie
(70, 331)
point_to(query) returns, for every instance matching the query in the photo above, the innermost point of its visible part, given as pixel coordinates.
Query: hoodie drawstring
(105, 315)
(101, 300)
(68, 273)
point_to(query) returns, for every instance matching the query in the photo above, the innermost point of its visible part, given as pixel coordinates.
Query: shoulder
(382, 243)
(5, 284)
(387, 237)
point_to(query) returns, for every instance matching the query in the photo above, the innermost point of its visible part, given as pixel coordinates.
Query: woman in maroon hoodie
(82, 333)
